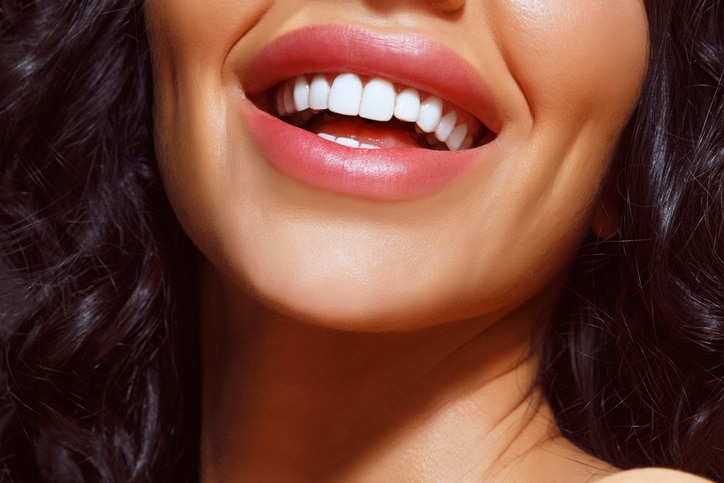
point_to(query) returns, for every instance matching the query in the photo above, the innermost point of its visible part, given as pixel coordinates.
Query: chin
(346, 304)
(343, 305)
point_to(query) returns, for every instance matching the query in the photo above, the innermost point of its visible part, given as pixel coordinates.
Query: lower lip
(379, 174)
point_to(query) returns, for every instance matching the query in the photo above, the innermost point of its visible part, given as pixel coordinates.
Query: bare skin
(350, 339)
(653, 475)
(291, 402)
(288, 401)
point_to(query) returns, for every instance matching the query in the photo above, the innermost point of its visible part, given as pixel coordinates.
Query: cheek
(197, 29)
(579, 66)
(572, 56)
(190, 41)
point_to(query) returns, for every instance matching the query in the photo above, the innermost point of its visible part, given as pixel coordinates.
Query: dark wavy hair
(98, 346)
(633, 363)
(99, 357)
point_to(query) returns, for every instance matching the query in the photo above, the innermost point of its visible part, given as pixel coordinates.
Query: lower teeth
(314, 122)
(348, 142)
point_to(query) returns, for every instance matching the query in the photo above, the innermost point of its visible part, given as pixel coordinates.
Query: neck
(290, 401)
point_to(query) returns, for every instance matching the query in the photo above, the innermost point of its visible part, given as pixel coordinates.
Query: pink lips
(382, 174)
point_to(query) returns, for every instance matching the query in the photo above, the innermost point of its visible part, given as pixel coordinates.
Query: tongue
(393, 134)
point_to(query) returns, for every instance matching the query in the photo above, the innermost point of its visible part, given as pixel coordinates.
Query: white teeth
(378, 100)
(350, 143)
(430, 114)
(282, 101)
(319, 93)
(288, 98)
(457, 137)
(407, 105)
(446, 126)
(346, 94)
(301, 93)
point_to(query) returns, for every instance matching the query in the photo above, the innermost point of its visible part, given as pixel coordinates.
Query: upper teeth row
(378, 100)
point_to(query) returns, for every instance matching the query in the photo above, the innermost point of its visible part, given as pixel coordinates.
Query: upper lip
(408, 59)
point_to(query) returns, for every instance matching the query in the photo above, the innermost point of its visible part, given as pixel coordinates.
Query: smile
(437, 124)
(387, 117)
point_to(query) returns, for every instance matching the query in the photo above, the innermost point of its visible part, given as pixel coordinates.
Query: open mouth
(372, 113)
(381, 116)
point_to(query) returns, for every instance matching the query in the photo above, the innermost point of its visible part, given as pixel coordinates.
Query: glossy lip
(406, 59)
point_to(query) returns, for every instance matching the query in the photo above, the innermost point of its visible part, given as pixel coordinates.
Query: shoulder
(653, 475)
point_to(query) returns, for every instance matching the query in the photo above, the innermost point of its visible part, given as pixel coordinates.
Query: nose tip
(448, 6)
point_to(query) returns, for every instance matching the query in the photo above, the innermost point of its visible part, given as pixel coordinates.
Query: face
(524, 100)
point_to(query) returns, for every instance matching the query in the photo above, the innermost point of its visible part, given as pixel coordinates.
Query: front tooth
(352, 143)
(446, 126)
(345, 95)
(301, 93)
(407, 105)
(430, 114)
(378, 100)
(326, 136)
(368, 146)
(457, 137)
(319, 93)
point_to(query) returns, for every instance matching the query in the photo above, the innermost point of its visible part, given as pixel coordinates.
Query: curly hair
(634, 361)
(99, 364)
(99, 356)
